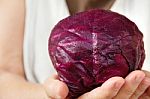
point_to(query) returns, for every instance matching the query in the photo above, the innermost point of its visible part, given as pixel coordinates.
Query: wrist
(41, 92)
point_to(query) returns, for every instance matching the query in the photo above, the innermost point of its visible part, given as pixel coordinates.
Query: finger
(144, 96)
(107, 91)
(132, 81)
(147, 92)
(55, 89)
(54, 76)
(141, 88)
(147, 73)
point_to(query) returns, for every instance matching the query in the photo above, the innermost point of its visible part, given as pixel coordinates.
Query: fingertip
(136, 76)
(147, 73)
(56, 89)
(120, 79)
(119, 82)
(146, 81)
(114, 83)
(54, 76)
(138, 72)
(62, 90)
(108, 90)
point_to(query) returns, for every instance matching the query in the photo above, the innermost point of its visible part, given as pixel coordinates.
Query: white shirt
(42, 15)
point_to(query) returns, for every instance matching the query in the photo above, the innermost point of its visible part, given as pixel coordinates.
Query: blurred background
(82, 5)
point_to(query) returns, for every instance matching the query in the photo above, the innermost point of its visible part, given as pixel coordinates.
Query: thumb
(55, 88)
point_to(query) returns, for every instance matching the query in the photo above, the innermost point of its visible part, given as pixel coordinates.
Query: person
(25, 66)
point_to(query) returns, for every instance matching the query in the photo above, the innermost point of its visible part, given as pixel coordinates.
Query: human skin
(135, 86)
(13, 83)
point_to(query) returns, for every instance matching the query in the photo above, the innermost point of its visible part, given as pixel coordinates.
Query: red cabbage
(89, 47)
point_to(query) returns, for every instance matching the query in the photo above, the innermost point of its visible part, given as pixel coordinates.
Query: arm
(13, 84)
(11, 35)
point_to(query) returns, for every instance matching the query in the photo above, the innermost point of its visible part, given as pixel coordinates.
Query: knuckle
(135, 95)
(129, 92)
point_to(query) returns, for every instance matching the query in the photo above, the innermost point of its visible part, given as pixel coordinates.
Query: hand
(58, 90)
(135, 86)
(136, 83)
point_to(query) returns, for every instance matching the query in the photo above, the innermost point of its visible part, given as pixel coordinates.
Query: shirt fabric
(41, 17)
